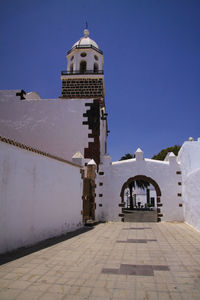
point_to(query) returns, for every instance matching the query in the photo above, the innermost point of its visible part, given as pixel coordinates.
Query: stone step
(140, 216)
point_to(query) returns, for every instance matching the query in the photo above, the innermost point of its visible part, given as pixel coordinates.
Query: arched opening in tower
(96, 68)
(71, 68)
(83, 66)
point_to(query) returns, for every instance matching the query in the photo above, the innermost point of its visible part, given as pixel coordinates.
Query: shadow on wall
(21, 252)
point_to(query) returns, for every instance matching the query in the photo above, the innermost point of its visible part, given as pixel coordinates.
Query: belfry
(84, 77)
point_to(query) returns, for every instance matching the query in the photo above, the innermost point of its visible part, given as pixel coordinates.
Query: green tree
(127, 156)
(162, 154)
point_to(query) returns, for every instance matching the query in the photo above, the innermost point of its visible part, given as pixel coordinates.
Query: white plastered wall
(50, 125)
(189, 158)
(117, 173)
(40, 197)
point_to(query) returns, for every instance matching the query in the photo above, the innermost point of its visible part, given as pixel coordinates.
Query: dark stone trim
(121, 215)
(93, 122)
(141, 177)
(85, 123)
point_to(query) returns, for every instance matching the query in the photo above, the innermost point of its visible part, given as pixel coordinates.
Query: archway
(144, 179)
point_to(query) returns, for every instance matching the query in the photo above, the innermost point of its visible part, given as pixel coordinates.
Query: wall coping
(25, 147)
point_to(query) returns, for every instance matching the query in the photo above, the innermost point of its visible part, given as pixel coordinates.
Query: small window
(71, 68)
(83, 54)
(96, 57)
(72, 57)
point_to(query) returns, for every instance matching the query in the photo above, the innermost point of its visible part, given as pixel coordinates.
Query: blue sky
(151, 62)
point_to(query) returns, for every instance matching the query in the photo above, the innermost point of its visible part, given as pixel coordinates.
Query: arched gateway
(146, 179)
(165, 183)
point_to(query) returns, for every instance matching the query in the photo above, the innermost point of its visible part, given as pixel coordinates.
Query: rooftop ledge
(85, 47)
(87, 72)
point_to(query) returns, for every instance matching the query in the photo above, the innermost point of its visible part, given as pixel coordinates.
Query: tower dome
(84, 75)
(86, 41)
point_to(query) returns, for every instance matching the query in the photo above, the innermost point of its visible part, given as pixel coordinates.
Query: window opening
(83, 66)
(83, 54)
(96, 68)
(71, 68)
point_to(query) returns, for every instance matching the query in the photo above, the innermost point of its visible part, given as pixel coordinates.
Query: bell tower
(84, 77)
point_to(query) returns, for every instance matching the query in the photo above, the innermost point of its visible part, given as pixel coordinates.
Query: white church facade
(55, 173)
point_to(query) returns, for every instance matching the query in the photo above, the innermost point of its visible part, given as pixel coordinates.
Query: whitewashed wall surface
(115, 174)
(189, 157)
(50, 125)
(40, 197)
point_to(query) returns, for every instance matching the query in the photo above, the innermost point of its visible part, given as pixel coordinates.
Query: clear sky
(151, 62)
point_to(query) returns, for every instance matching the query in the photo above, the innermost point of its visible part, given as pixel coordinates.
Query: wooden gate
(88, 199)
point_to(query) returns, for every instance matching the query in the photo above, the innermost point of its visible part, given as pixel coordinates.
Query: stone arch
(155, 185)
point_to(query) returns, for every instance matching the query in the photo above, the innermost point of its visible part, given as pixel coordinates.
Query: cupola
(84, 75)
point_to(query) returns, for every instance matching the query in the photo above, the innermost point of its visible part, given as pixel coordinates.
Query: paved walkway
(157, 261)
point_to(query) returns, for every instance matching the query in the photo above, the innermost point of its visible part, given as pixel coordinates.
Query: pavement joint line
(166, 268)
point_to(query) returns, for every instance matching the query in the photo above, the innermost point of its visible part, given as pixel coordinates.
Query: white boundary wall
(189, 157)
(164, 173)
(40, 197)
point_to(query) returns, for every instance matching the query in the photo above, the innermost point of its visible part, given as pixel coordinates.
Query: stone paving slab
(152, 261)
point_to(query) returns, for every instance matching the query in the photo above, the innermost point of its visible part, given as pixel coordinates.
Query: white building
(55, 172)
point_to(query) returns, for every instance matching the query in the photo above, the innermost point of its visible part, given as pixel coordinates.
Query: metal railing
(85, 47)
(86, 72)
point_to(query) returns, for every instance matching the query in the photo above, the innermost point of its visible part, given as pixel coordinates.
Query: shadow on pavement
(20, 252)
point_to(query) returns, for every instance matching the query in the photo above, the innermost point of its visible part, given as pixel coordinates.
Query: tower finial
(86, 31)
